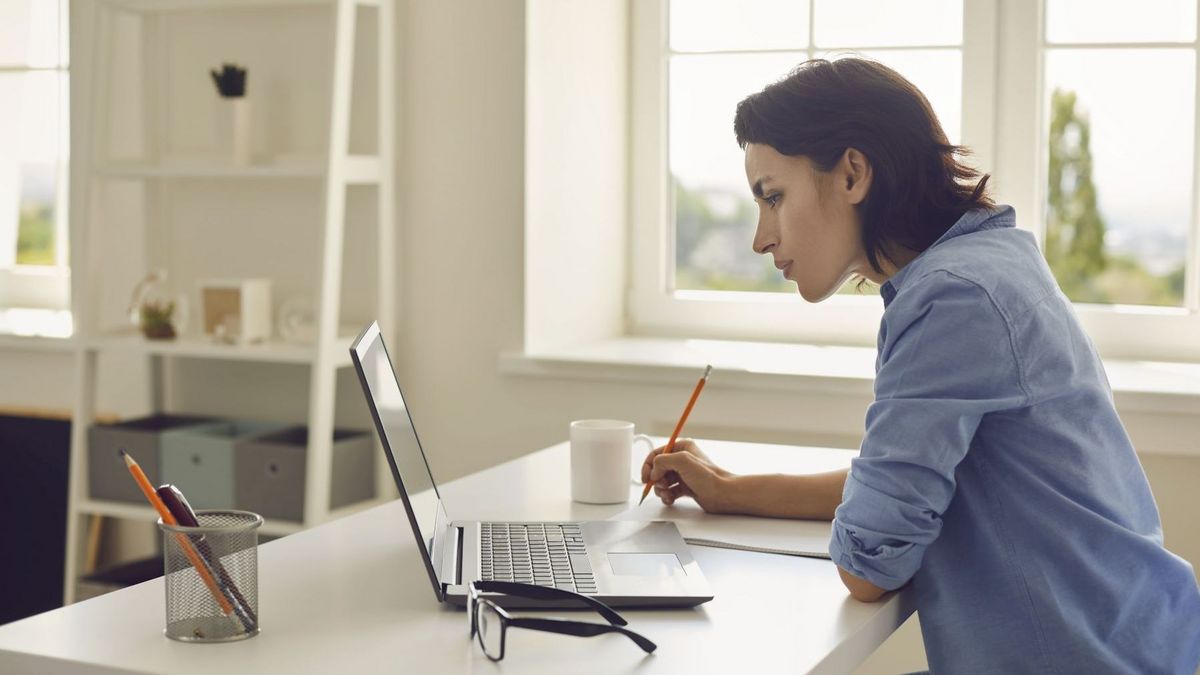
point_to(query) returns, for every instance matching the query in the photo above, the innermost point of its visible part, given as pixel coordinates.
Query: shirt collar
(975, 220)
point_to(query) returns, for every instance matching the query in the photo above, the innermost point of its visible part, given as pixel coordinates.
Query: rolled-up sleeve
(946, 360)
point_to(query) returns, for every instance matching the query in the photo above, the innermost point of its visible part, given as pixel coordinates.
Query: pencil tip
(707, 370)
(121, 452)
(642, 499)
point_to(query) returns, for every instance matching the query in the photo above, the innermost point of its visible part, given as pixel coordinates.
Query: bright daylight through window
(33, 163)
(720, 52)
(1120, 147)
(1117, 149)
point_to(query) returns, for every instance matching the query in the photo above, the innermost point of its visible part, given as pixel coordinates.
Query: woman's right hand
(687, 472)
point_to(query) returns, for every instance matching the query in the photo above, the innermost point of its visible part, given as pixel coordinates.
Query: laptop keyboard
(544, 554)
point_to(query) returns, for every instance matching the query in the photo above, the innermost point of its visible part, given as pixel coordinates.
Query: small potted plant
(156, 319)
(153, 311)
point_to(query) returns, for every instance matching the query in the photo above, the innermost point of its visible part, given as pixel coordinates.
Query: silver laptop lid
(404, 454)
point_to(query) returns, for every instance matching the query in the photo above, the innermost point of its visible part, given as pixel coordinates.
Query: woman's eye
(771, 200)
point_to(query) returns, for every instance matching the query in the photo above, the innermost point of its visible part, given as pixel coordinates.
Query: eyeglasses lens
(471, 604)
(487, 622)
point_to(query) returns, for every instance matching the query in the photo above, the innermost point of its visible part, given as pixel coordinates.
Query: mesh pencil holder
(211, 577)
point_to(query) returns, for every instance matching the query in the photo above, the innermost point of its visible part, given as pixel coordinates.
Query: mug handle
(637, 470)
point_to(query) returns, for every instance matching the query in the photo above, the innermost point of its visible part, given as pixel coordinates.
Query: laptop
(623, 564)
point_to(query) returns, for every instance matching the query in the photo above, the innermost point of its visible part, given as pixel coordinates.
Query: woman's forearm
(813, 496)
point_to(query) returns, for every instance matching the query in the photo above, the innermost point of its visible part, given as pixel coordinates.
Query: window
(33, 155)
(719, 52)
(1119, 148)
(694, 217)
(1083, 112)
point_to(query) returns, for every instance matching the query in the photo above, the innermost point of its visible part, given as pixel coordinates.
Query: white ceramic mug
(601, 460)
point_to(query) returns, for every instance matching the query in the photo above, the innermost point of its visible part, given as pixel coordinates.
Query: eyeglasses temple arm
(547, 593)
(580, 629)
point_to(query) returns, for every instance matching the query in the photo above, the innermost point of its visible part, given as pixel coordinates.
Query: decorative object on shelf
(297, 320)
(231, 81)
(153, 311)
(156, 320)
(233, 113)
(236, 311)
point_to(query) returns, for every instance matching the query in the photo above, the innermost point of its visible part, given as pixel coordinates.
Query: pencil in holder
(211, 577)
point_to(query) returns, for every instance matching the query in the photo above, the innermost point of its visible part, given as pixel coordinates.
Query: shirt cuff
(887, 565)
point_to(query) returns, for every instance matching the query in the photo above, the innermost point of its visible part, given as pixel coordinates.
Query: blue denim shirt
(996, 475)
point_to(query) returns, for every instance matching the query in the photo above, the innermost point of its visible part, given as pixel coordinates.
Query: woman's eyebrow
(758, 186)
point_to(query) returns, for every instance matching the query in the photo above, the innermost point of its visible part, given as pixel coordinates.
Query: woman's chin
(815, 295)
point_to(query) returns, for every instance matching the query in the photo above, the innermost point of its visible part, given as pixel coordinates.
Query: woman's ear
(856, 170)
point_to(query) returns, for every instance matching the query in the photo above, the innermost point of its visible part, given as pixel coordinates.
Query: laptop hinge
(458, 558)
(451, 568)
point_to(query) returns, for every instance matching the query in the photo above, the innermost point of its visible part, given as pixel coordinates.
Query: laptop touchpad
(645, 564)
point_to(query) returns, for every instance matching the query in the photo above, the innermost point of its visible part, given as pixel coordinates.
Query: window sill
(35, 327)
(1138, 386)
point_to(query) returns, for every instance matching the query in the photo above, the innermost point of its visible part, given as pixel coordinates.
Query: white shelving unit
(332, 175)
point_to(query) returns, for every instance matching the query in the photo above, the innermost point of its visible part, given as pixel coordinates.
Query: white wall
(461, 168)
(576, 171)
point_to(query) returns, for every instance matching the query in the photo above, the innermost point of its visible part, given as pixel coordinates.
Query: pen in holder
(211, 577)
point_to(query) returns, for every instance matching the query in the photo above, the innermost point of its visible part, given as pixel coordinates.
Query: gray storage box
(271, 470)
(108, 478)
(200, 460)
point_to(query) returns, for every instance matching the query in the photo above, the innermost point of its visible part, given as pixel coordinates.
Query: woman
(994, 474)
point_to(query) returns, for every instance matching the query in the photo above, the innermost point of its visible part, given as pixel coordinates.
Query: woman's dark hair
(919, 188)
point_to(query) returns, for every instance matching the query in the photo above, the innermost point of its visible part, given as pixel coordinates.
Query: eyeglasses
(490, 623)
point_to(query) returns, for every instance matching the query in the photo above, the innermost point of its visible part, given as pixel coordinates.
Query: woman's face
(807, 220)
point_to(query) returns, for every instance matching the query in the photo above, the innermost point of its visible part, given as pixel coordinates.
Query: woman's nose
(762, 244)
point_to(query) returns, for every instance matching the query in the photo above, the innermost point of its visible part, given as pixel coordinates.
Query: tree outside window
(1076, 230)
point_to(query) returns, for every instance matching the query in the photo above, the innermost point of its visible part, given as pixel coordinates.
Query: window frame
(1003, 52)
(27, 286)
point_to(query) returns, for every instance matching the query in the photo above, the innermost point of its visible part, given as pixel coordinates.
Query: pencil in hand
(678, 427)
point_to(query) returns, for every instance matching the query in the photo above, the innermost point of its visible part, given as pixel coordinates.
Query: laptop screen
(395, 424)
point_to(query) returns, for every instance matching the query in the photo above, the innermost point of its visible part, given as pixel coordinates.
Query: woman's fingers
(682, 474)
(679, 463)
(646, 465)
(683, 446)
(669, 494)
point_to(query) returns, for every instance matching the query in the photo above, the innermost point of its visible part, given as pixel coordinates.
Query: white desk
(352, 596)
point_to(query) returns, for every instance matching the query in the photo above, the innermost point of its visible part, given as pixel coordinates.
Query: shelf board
(274, 351)
(358, 170)
(207, 171)
(180, 5)
(275, 528)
